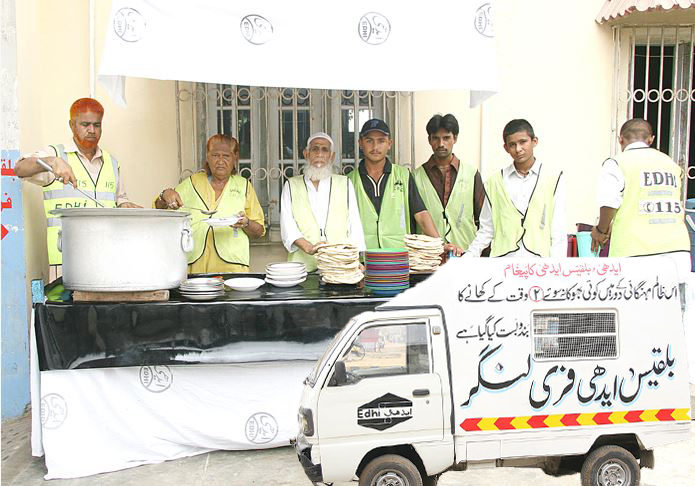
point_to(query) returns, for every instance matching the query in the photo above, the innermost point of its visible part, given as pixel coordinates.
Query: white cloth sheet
(90, 421)
(99, 420)
(180, 40)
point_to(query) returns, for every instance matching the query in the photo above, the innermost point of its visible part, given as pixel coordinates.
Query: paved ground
(675, 466)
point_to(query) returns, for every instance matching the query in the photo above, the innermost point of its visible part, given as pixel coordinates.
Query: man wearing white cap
(318, 206)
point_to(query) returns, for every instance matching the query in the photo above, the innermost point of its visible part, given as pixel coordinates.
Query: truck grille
(575, 335)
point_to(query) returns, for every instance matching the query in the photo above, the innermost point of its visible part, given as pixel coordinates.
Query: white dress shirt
(611, 181)
(319, 200)
(520, 189)
(611, 186)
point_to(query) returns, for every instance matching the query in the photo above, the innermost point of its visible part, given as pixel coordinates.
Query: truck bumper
(312, 471)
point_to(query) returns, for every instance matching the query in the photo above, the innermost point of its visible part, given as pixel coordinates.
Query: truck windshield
(311, 379)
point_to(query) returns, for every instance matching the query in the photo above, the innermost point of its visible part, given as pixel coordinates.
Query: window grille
(574, 335)
(653, 79)
(273, 124)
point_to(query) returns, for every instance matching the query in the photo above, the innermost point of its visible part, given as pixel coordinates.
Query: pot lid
(121, 212)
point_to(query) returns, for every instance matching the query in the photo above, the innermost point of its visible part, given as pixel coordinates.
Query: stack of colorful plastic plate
(285, 274)
(387, 271)
(202, 288)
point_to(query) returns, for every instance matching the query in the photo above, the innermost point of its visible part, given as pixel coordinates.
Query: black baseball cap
(375, 124)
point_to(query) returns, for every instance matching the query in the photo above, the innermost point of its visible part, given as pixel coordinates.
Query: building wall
(428, 103)
(556, 71)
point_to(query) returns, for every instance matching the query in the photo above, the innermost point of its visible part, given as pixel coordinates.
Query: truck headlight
(306, 421)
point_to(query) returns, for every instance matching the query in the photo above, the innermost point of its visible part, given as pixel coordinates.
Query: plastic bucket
(584, 244)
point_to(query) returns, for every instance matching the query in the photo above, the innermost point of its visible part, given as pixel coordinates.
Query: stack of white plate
(202, 288)
(285, 274)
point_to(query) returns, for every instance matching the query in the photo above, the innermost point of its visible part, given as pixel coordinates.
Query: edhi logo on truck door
(384, 412)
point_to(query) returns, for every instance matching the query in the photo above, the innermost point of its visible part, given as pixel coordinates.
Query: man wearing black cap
(386, 193)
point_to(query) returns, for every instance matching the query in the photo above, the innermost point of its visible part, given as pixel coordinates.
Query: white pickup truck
(570, 365)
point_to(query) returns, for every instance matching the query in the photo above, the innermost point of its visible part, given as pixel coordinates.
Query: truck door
(392, 395)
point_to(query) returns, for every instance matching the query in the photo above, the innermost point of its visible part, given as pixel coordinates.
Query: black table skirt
(73, 335)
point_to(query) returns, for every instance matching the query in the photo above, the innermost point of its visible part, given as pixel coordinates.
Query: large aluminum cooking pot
(123, 249)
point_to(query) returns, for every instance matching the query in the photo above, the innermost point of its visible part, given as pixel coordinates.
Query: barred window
(272, 126)
(653, 79)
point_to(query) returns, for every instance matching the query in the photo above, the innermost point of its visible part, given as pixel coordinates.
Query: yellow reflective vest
(232, 245)
(334, 230)
(57, 195)
(455, 223)
(651, 219)
(387, 228)
(512, 226)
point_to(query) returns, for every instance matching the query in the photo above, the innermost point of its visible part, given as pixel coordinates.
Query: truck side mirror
(340, 374)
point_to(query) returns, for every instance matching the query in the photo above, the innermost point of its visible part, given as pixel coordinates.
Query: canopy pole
(482, 141)
(178, 129)
(91, 49)
(413, 164)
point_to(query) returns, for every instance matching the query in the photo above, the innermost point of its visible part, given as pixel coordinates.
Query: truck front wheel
(610, 466)
(390, 470)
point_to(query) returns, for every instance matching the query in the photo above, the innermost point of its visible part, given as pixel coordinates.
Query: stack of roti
(424, 252)
(339, 263)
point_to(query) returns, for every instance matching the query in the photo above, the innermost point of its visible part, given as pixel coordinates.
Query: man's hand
(128, 204)
(455, 250)
(598, 239)
(253, 229)
(424, 220)
(170, 200)
(305, 246)
(605, 220)
(243, 221)
(62, 170)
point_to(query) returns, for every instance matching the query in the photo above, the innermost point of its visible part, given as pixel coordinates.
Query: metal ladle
(206, 212)
(50, 169)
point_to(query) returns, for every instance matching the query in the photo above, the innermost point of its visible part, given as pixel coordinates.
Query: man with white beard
(318, 206)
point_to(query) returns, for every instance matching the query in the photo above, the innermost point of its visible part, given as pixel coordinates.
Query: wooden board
(137, 296)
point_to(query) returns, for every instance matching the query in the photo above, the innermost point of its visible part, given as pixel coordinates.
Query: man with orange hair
(79, 163)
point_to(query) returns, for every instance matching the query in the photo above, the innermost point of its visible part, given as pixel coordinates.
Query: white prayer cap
(320, 135)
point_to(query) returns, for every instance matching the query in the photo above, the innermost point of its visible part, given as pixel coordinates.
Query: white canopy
(376, 45)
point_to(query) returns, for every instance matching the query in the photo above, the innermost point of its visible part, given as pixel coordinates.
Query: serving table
(129, 383)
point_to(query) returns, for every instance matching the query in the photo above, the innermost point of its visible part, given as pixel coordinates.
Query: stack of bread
(339, 263)
(424, 252)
